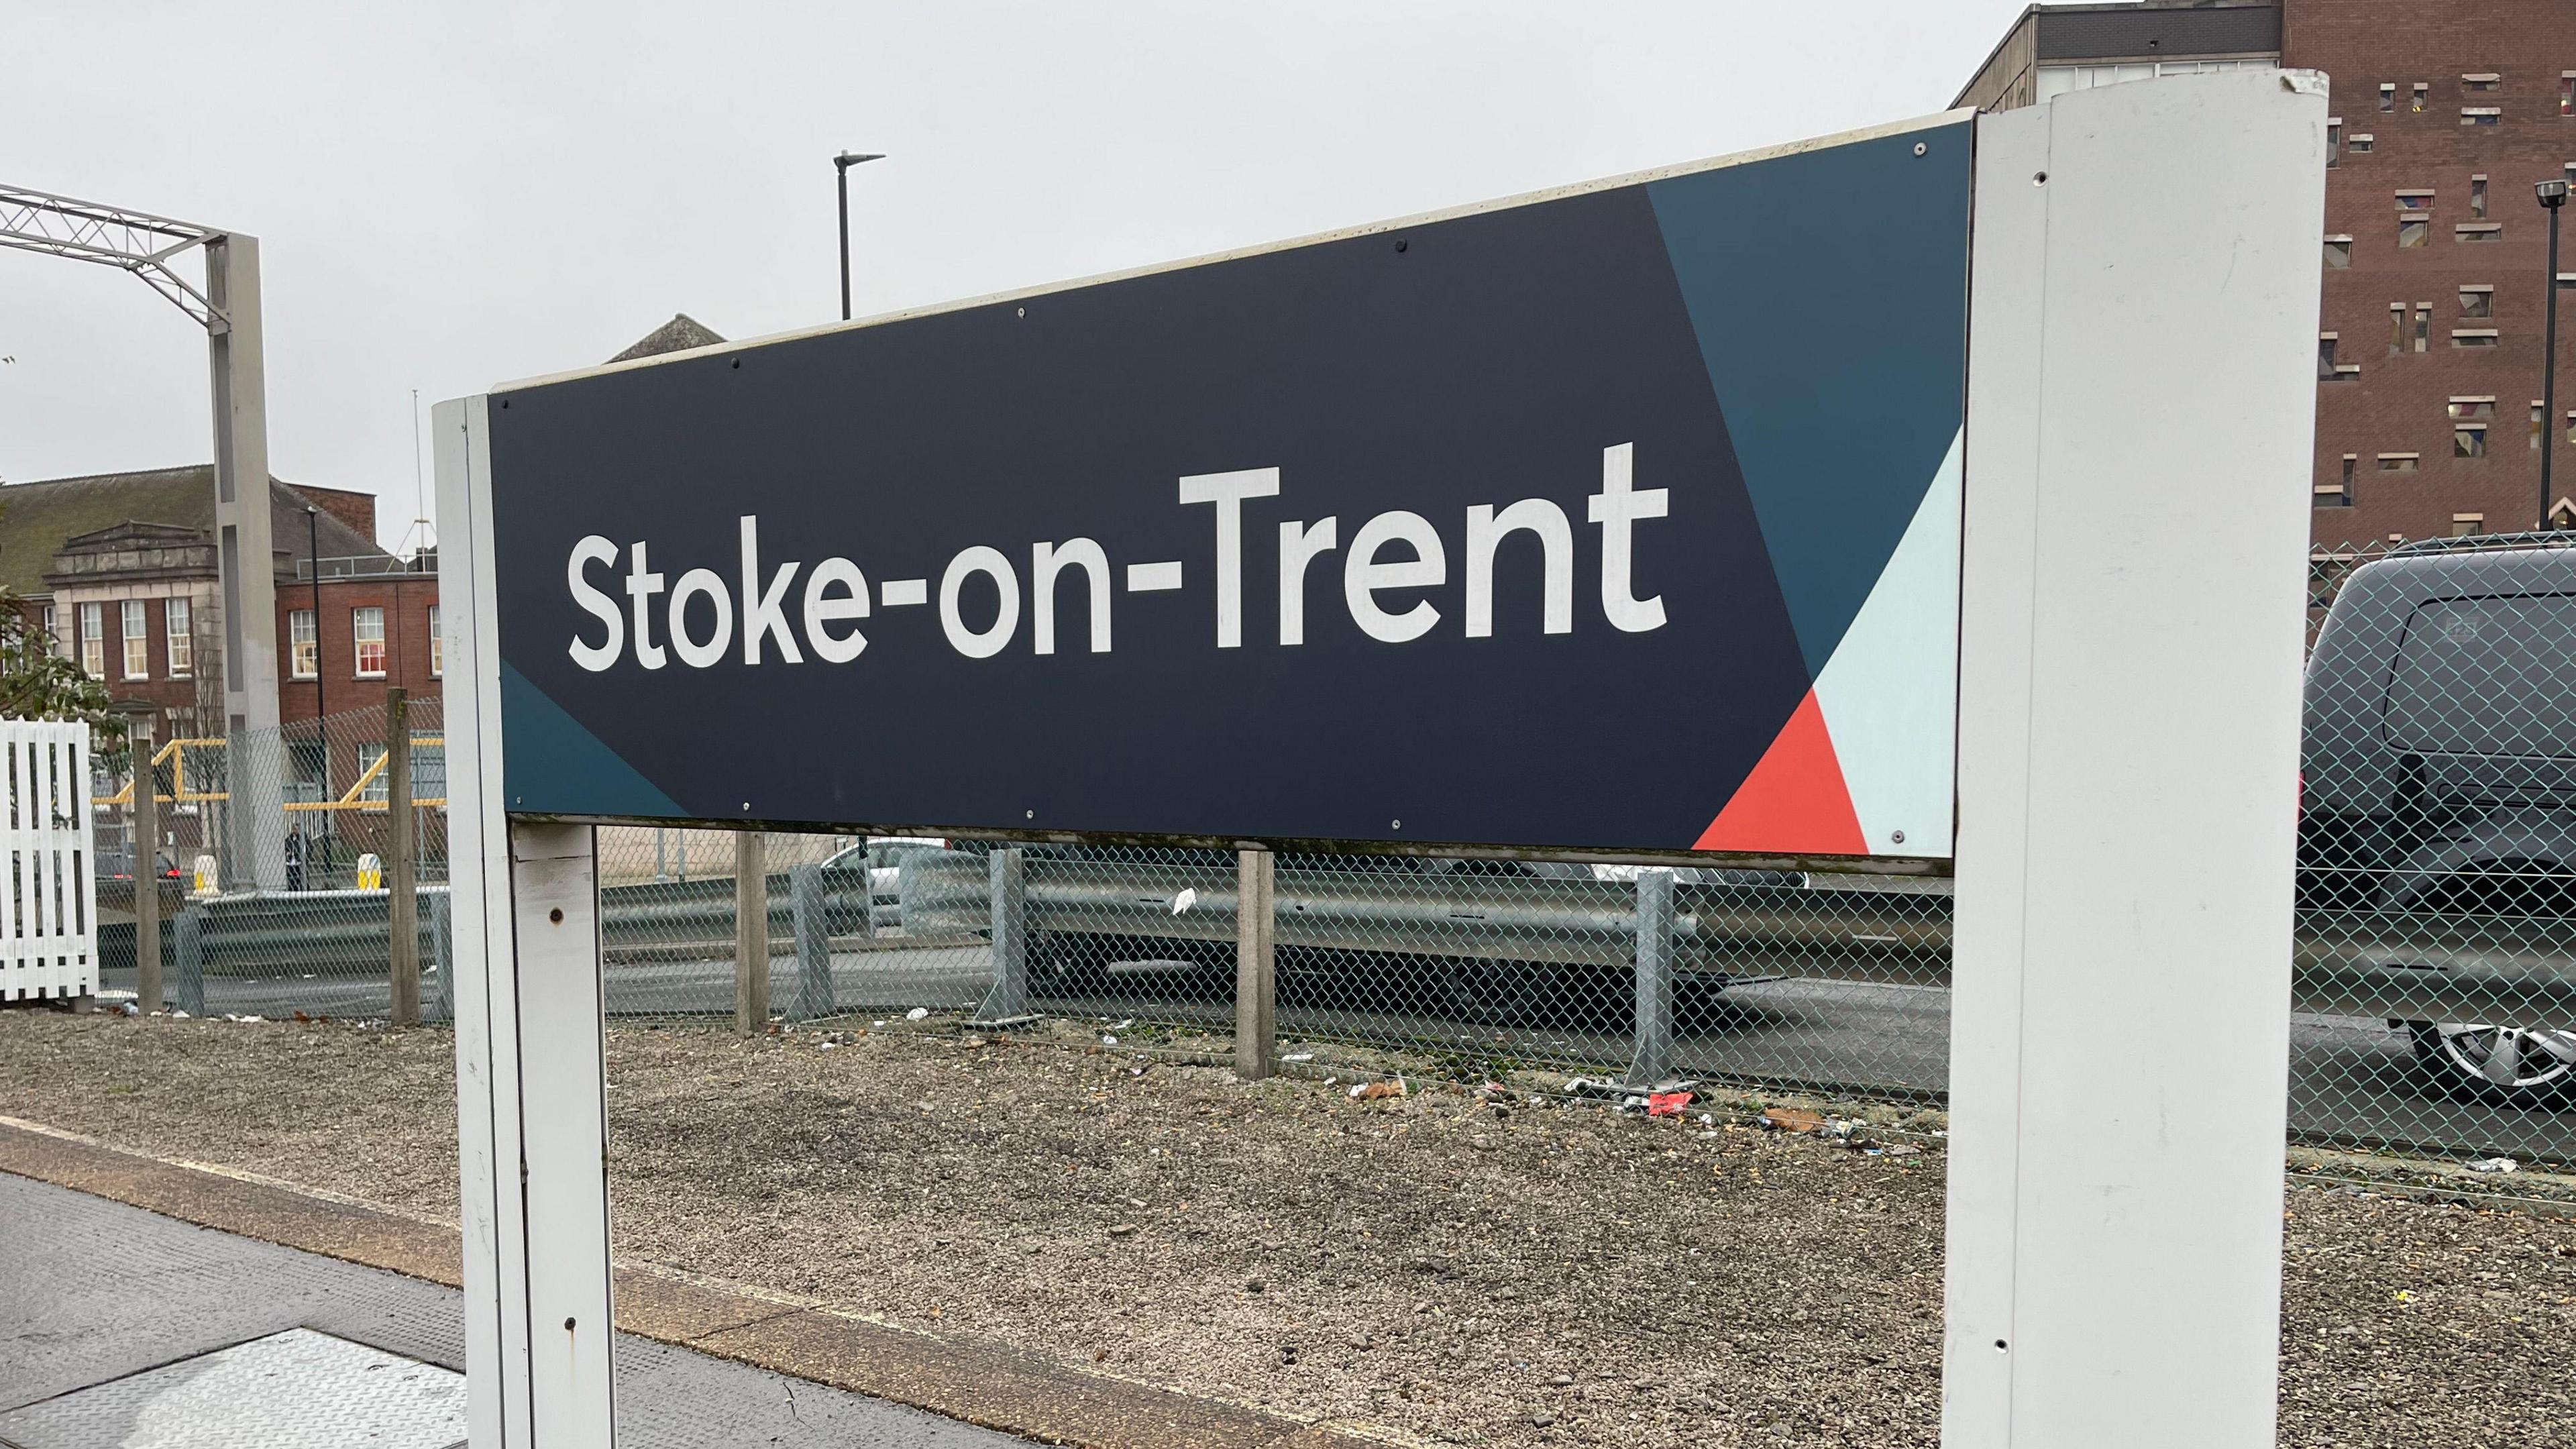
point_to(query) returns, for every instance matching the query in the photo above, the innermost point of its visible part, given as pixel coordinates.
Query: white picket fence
(49, 897)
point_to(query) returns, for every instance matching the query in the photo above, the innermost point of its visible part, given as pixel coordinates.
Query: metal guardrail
(344, 932)
(2417, 966)
(2401, 965)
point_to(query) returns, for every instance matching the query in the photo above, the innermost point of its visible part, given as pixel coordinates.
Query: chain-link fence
(2437, 883)
(272, 872)
(2435, 992)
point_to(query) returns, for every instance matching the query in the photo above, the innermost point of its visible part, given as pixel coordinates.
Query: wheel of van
(2504, 1065)
(1068, 965)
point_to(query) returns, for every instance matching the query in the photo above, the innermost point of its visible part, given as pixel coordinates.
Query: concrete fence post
(1654, 1059)
(402, 906)
(188, 953)
(751, 933)
(1256, 965)
(1008, 1002)
(813, 943)
(442, 955)
(868, 892)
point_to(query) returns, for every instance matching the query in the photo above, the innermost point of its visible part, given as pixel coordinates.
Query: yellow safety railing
(172, 750)
(351, 799)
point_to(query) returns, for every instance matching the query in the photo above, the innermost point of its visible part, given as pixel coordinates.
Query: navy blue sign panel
(1618, 519)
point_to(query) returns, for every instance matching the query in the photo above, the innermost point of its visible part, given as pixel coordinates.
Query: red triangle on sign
(1795, 801)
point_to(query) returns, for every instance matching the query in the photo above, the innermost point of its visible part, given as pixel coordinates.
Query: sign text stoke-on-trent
(835, 594)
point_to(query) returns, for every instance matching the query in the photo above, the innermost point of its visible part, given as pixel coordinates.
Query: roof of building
(2132, 30)
(36, 519)
(2091, 32)
(679, 334)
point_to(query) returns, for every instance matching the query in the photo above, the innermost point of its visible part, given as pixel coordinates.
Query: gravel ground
(1461, 1271)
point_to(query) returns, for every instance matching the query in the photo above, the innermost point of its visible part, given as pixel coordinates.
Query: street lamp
(2553, 195)
(841, 165)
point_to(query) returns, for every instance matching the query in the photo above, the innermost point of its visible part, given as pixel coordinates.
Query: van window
(2487, 677)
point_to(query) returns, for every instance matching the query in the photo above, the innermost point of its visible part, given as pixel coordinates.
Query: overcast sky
(455, 195)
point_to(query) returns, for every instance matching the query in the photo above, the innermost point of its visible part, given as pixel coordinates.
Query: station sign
(1621, 518)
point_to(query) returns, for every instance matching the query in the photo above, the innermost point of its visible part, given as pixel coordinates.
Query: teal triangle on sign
(582, 776)
(1829, 292)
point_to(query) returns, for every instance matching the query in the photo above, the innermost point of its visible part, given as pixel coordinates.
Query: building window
(2337, 495)
(2538, 425)
(2362, 142)
(2479, 231)
(2478, 196)
(2329, 370)
(93, 640)
(2481, 83)
(2472, 409)
(178, 638)
(2396, 328)
(2480, 115)
(2469, 441)
(136, 636)
(378, 788)
(2423, 325)
(2412, 230)
(2571, 427)
(367, 627)
(2473, 337)
(2477, 300)
(2464, 524)
(437, 646)
(2397, 462)
(2334, 142)
(53, 632)
(2567, 93)
(2415, 201)
(2338, 253)
(302, 645)
(2415, 101)
(2388, 95)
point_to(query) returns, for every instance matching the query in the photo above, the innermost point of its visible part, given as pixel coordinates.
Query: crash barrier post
(188, 957)
(1256, 964)
(442, 955)
(401, 904)
(813, 942)
(1008, 1002)
(1653, 1062)
(750, 933)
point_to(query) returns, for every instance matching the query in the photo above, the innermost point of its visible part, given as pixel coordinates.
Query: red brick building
(378, 626)
(2434, 250)
(120, 568)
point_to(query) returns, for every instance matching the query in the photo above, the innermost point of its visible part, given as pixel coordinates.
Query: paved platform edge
(989, 1385)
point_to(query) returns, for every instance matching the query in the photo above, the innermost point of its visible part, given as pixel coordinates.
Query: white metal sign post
(2143, 284)
(2140, 409)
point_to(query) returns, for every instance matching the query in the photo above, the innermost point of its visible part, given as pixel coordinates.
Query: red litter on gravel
(1667, 1104)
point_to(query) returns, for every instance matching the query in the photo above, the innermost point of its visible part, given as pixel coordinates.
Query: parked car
(2439, 772)
(116, 862)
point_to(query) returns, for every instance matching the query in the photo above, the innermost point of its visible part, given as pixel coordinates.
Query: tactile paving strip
(285, 1391)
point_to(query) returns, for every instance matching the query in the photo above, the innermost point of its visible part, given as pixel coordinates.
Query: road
(2351, 1078)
